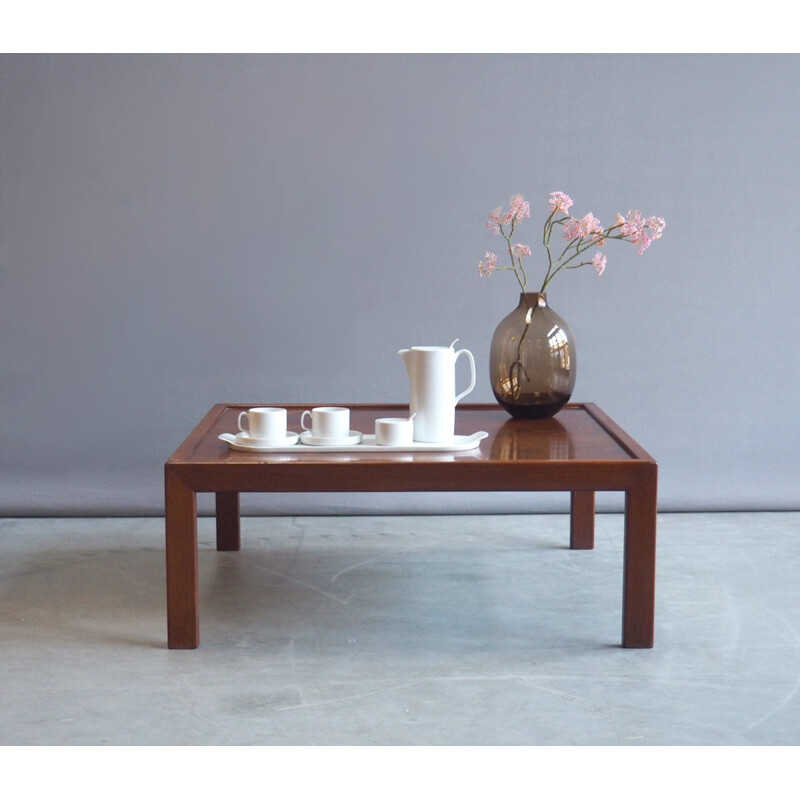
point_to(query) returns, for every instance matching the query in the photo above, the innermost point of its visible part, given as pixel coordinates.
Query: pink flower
(522, 250)
(640, 231)
(583, 228)
(493, 223)
(560, 202)
(571, 229)
(518, 209)
(657, 225)
(599, 262)
(591, 225)
(632, 224)
(488, 265)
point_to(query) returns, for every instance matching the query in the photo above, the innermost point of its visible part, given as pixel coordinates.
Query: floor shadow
(416, 596)
(94, 595)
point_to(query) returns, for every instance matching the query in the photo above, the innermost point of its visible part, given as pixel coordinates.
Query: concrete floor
(451, 630)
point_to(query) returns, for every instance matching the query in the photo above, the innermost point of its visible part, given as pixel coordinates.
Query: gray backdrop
(177, 231)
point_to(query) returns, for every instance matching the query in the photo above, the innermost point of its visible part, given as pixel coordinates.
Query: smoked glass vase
(532, 360)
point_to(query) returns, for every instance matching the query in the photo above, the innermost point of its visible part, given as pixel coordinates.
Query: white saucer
(307, 438)
(247, 441)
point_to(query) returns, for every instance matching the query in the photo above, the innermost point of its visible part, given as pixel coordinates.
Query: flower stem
(548, 230)
(521, 280)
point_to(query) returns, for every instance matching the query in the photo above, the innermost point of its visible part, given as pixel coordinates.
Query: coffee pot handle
(472, 381)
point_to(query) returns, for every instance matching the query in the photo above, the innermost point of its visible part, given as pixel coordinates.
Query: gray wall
(178, 231)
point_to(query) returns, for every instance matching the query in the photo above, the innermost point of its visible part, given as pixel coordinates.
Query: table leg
(581, 531)
(183, 625)
(639, 583)
(228, 536)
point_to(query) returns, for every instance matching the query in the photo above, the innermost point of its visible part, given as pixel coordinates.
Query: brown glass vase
(532, 360)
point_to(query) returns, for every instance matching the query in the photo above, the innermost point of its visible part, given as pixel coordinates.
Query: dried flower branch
(580, 234)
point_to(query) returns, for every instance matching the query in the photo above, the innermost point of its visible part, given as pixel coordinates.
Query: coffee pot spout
(406, 355)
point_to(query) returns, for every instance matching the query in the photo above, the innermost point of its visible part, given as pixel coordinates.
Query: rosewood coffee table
(580, 450)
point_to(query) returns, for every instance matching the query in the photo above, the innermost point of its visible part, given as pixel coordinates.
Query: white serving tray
(367, 445)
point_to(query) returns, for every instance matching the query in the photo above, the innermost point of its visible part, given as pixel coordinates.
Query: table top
(580, 432)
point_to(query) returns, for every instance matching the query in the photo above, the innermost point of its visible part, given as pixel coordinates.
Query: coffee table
(580, 450)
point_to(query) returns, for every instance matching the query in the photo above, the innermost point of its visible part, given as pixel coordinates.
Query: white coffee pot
(433, 398)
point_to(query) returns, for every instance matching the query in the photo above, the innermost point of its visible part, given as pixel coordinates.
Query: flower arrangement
(580, 234)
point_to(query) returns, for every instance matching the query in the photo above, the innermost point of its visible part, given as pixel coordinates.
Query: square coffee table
(580, 450)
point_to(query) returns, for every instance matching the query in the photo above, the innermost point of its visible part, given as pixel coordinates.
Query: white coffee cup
(263, 423)
(327, 422)
(394, 431)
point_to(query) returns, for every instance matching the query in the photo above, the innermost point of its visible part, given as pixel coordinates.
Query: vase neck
(532, 300)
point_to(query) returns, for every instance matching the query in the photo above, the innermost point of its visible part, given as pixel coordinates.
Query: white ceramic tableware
(394, 431)
(327, 422)
(352, 439)
(362, 444)
(433, 398)
(263, 423)
(267, 444)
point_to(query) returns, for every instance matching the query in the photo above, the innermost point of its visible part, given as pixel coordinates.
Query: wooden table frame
(581, 451)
